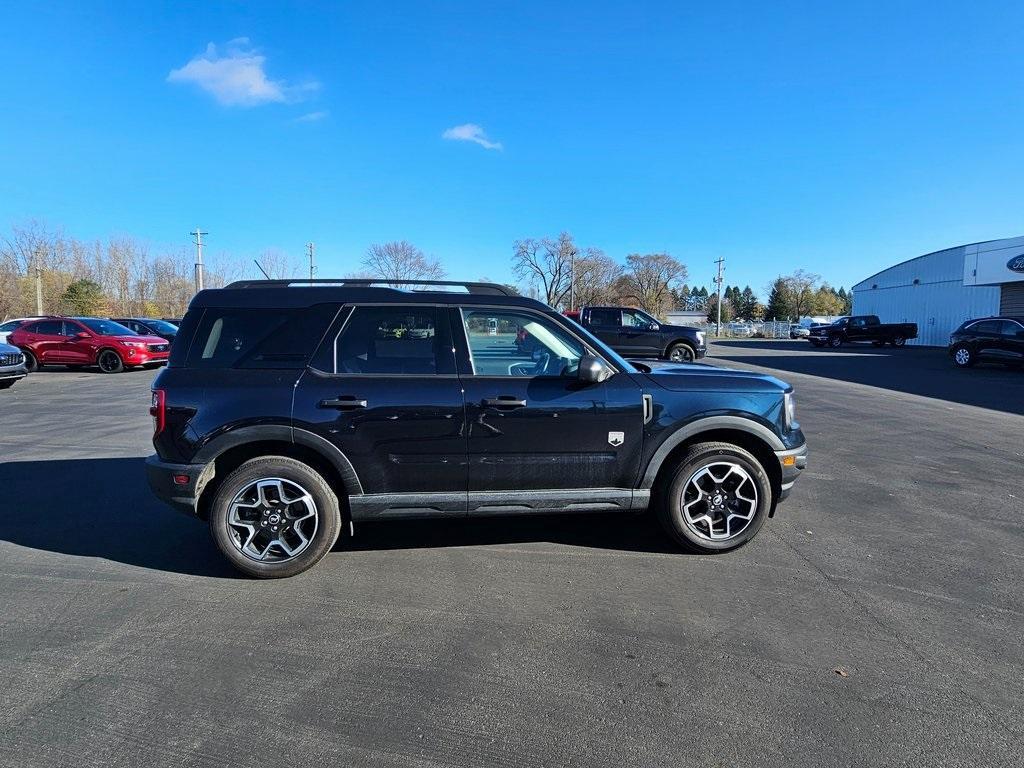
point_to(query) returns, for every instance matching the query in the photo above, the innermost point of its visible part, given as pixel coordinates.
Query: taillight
(158, 410)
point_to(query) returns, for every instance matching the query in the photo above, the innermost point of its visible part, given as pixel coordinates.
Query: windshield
(162, 326)
(105, 327)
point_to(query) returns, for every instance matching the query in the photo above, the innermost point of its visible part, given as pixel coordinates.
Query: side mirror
(654, 327)
(82, 335)
(593, 370)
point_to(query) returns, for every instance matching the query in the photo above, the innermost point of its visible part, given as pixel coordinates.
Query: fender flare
(706, 424)
(284, 433)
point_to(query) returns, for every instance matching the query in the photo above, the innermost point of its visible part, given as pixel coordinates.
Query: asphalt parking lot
(876, 620)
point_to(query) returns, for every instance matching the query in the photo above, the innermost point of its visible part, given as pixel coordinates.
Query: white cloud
(471, 132)
(311, 117)
(236, 77)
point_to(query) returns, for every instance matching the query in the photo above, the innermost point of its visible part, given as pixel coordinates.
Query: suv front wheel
(717, 498)
(275, 517)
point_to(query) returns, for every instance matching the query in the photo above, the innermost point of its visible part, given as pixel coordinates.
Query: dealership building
(940, 290)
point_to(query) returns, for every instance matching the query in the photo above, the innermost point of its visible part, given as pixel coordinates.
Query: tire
(109, 361)
(963, 356)
(31, 363)
(835, 342)
(7, 383)
(285, 480)
(680, 353)
(898, 341)
(815, 343)
(746, 490)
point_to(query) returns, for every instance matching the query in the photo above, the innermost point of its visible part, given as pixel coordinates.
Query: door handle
(504, 401)
(346, 403)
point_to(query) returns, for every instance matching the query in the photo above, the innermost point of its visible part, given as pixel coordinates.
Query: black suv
(290, 411)
(634, 333)
(988, 339)
(149, 326)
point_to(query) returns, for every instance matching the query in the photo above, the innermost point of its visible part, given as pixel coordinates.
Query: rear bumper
(792, 463)
(164, 478)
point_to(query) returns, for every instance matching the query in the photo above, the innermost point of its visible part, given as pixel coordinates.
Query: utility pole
(572, 280)
(310, 250)
(718, 325)
(39, 283)
(198, 234)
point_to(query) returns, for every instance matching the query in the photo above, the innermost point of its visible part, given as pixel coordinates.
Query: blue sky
(838, 138)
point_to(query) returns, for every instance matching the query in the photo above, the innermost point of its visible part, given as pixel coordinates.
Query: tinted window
(985, 326)
(160, 326)
(48, 327)
(605, 317)
(394, 340)
(104, 327)
(259, 338)
(1009, 328)
(525, 344)
(10, 325)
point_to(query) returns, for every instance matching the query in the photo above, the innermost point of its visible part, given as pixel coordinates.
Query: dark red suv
(81, 341)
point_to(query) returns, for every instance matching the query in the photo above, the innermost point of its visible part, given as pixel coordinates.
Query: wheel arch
(224, 455)
(750, 435)
(106, 348)
(680, 340)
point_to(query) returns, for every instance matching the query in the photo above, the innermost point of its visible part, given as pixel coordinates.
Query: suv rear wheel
(275, 517)
(717, 499)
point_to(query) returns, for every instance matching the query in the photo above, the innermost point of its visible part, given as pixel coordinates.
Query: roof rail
(487, 289)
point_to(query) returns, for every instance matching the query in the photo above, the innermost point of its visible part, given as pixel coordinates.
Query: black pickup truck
(634, 333)
(862, 328)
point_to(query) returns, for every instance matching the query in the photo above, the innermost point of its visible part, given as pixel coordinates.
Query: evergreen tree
(780, 304)
(84, 297)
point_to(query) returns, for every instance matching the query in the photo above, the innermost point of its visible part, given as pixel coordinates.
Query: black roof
(304, 293)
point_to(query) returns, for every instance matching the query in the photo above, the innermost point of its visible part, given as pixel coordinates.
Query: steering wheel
(541, 361)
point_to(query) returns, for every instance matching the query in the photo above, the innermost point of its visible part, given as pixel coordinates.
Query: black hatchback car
(297, 410)
(988, 339)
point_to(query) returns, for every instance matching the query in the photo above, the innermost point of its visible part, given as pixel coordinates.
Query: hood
(141, 337)
(8, 349)
(680, 377)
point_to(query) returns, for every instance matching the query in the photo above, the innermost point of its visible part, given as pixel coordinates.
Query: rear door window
(605, 317)
(259, 338)
(47, 328)
(985, 326)
(394, 340)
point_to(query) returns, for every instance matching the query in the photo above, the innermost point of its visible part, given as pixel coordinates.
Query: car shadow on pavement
(103, 508)
(924, 371)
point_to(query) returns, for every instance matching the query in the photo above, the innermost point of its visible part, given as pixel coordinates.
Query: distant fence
(768, 329)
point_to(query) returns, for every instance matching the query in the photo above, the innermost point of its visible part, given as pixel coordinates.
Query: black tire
(31, 363)
(681, 350)
(835, 342)
(898, 341)
(815, 343)
(675, 488)
(7, 383)
(327, 510)
(109, 361)
(963, 356)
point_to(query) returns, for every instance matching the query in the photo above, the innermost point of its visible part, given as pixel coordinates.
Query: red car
(81, 341)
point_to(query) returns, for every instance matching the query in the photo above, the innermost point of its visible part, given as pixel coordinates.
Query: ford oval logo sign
(1016, 264)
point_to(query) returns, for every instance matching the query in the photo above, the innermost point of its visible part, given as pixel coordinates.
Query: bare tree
(278, 264)
(401, 260)
(546, 263)
(650, 278)
(596, 274)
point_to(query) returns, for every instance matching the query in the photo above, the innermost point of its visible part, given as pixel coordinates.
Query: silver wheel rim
(898, 341)
(719, 501)
(836, 342)
(108, 361)
(680, 355)
(962, 357)
(272, 520)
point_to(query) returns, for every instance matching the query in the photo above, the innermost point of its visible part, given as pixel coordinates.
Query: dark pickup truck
(634, 333)
(862, 328)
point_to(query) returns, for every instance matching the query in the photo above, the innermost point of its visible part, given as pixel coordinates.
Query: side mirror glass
(655, 327)
(81, 335)
(593, 370)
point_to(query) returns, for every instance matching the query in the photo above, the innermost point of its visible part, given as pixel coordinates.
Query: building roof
(924, 256)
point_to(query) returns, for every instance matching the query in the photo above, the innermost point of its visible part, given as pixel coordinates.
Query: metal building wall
(938, 301)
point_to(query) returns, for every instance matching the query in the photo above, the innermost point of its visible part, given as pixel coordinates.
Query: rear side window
(394, 340)
(259, 338)
(985, 326)
(47, 327)
(605, 317)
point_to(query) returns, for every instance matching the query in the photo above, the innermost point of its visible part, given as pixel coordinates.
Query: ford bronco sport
(292, 410)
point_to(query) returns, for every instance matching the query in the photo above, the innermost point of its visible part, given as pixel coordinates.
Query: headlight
(790, 409)
(136, 344)
(700, 338)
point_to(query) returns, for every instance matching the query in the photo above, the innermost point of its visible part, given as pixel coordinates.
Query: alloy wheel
(962, 356)
(272, 520)
(109, 362)
(680, 354)
(719, 501)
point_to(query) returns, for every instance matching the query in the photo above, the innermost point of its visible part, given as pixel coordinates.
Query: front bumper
(145, 357)
(163, 480)
(15, 372)
(792, 463)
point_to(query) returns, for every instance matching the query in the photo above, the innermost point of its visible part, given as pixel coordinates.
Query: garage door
(1011, 299)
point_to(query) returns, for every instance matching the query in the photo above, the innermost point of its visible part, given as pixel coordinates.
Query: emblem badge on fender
(616, 438)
